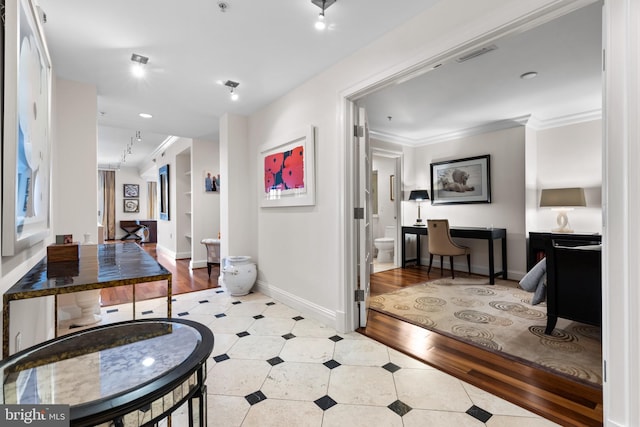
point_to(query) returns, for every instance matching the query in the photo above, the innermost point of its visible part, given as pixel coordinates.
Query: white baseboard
(198, 264)
(169, 253)
(305, 307)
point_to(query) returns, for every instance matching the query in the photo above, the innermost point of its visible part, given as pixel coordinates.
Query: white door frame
(406, 71)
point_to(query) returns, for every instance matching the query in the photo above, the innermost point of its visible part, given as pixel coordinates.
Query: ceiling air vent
(476, 53)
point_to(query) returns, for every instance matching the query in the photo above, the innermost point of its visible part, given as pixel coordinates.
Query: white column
(621, 210)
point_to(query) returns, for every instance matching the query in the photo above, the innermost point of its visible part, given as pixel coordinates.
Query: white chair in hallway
(213, 252)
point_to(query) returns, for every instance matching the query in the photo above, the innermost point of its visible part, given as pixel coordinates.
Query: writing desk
(483, 233)
(98, 266)
(130, 373)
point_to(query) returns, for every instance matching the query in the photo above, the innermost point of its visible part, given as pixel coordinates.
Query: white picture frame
(281, 182)
(26, 184)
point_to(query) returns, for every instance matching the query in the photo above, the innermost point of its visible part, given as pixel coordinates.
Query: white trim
(167, 252)
(530, 121)
(304, 306)
(476, 130)
(621, 208)
(183, 255)
(197, 264)
(571, 119)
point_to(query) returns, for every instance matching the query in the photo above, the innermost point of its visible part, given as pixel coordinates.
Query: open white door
(363, 214)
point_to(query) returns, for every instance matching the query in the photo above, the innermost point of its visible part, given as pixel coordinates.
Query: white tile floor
(271, 366)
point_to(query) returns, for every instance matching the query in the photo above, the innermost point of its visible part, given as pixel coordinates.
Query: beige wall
(571, 156)
(506, 210)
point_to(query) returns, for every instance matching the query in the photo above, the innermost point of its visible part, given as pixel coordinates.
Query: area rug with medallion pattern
(498, 318)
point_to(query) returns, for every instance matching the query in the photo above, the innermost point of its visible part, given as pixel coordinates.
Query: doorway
(386, 200)
(439, 67)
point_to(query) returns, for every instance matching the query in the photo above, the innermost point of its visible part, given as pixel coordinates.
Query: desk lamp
(562, 200)
(419, 196)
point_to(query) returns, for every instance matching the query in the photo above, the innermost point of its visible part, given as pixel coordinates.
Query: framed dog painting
(465, 180)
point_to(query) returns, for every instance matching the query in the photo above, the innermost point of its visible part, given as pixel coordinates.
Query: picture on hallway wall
(130, 190)
(211, 182)
(26, 144)
(460, 181)
(288, 170)
(131, 205)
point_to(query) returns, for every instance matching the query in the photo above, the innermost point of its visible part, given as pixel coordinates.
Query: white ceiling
(487, 91)
(271, 47)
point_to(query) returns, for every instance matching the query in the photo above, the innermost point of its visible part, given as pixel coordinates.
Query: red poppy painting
(288, 171)
(284, 170)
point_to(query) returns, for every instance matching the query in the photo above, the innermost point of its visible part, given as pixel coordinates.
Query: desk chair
(440, 243)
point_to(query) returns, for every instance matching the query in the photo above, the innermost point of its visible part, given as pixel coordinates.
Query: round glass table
(132, 373)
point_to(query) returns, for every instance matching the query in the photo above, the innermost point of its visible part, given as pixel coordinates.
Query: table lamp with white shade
(419, 196)
(562, 200)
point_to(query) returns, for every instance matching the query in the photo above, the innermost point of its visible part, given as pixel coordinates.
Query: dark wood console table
(131, 227)
(539, 242)
(123, 374)
(98, 266)
(488, 234)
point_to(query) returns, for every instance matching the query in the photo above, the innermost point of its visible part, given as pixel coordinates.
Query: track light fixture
(139, 62)
(232, 85)
(323, 5)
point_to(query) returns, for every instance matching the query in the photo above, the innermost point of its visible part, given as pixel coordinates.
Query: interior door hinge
(358, 213)
(359, 295)
(358, 131)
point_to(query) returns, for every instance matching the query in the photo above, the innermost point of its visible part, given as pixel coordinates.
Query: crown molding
(448, 136)
(526, 120)
(536, 123)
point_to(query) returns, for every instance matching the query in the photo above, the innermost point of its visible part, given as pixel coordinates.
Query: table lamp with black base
(419, 196)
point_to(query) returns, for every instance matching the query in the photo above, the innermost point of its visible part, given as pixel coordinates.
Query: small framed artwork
(131, 190)
(131, 205)
(287, 175)
(211, 182)
(460, 181)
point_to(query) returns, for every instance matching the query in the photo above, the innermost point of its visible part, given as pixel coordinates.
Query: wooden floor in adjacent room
(554, 397)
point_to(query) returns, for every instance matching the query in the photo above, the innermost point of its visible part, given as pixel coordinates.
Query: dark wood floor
(554, 397)
(183, 280)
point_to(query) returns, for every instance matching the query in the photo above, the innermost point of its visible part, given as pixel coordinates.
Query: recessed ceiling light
(529, 75)
(139, 62)
(145, 115)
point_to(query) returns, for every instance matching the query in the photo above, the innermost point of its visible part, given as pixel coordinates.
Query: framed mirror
(163, 190)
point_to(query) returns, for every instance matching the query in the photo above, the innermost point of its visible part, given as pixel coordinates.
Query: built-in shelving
(184, 203)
